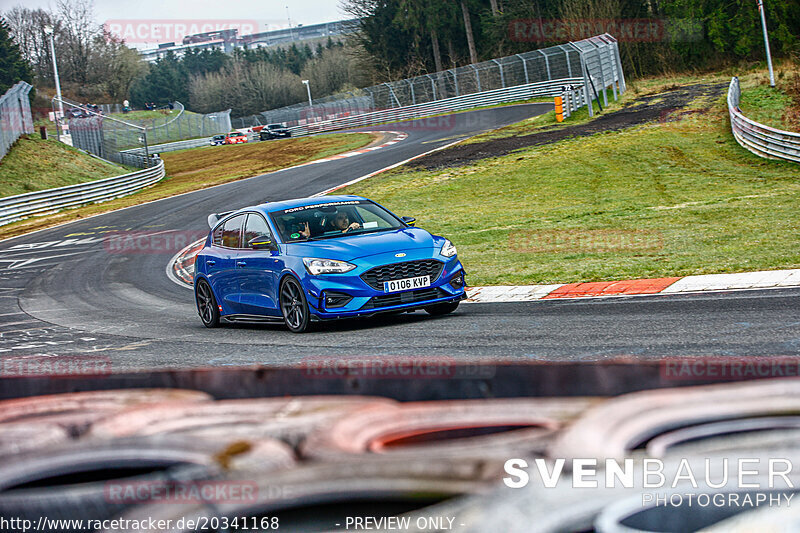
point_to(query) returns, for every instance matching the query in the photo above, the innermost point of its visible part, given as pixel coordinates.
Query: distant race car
(217, 140)
(274, 131)
(311, 259)
(235, 137)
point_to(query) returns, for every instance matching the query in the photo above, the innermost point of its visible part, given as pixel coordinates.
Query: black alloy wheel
(294, 306)
(206, 304)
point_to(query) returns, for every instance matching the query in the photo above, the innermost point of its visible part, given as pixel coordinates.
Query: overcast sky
(269, 14)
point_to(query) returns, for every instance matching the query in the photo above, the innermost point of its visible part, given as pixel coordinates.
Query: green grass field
(187, 170)
(33, 164)
(662, 199)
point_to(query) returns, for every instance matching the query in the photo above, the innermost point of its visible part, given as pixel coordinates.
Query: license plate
(406, 284)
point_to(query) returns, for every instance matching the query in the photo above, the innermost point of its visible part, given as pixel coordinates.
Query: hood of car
(351, 247)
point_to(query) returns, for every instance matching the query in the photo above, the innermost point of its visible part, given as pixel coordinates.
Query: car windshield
(333, 219)
(275, 126)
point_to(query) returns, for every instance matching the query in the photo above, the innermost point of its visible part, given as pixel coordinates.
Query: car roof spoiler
(213, 218)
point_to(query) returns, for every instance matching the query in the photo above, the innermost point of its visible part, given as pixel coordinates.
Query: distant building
(228, 40)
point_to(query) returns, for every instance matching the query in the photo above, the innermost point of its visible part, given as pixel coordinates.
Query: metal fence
(458, 103)
(49, 201)
(183, 125)
(595, 61)
(106, 137)
(173, 146)
(127, 142)
(15, 115)
(762, 140)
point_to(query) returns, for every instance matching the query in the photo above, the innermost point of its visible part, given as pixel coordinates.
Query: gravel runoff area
(662, 106)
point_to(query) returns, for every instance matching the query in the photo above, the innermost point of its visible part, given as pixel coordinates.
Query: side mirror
(409, 220)
(262, 242)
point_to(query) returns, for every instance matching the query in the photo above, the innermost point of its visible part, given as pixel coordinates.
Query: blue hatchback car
(312, 259)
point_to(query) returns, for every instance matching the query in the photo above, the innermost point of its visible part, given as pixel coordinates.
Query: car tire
(442, 309)
(207, 306)
(294, 306)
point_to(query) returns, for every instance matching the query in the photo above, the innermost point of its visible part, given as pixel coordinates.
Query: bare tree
(27, 26)
(473, 53)
(78, 32)
(113, 66)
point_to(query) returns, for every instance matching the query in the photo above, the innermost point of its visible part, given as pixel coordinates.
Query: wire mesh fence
(127, 142)
(596, 60)
(102, 135)
(15, 115)
(177, 124)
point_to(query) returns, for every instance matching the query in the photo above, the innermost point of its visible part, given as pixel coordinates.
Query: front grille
(398, 298)
(375, 277)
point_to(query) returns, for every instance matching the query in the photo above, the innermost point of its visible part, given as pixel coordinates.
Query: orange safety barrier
(559, 109)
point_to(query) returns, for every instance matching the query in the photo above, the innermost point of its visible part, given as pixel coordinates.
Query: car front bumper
(365, 300)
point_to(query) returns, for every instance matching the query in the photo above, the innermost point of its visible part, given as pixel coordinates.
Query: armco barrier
(40, 202)
(458, 103)
(596, 60)
(760, 139)
(171, 147)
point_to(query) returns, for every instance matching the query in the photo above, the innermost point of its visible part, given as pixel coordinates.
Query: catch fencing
(762, 140)
(594, 63)
(178, 124)
(15, 115)
(127, 142)
(52, 200)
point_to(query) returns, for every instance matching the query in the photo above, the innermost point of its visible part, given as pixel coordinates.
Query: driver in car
(342, 222)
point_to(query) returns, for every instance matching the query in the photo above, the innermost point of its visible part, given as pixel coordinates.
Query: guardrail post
(602, 74)
(546, 64)
(524, 67)
(585, 79)
(502, 76)
(618, 65)
(433, 86)
(477, 76)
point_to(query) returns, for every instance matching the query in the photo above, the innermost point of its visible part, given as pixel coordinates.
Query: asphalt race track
(64, 293)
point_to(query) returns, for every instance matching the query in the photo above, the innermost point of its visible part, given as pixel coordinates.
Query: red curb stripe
(607, 288)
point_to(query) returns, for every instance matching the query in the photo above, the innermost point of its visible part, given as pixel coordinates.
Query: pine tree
(13, 67)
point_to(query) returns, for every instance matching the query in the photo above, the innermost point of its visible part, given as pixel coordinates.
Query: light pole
(289, 17)
(766, 42)
(49, 31)
(308, 88)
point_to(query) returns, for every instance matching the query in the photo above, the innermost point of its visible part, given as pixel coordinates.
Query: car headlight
(448, 249)
(326, 266)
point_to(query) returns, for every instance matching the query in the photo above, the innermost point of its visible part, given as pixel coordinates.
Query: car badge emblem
(401, 254)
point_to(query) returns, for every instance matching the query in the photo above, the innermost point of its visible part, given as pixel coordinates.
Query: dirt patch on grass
(665, 106)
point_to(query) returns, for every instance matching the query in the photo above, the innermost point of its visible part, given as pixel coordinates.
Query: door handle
(211, 263)
(241, 263)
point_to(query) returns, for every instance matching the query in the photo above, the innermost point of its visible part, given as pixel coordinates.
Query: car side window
(216, 237)
(232, 232)
(256, 226)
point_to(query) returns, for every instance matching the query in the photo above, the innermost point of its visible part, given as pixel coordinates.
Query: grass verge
(190, 170)
(667, 198)
(33, 164)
